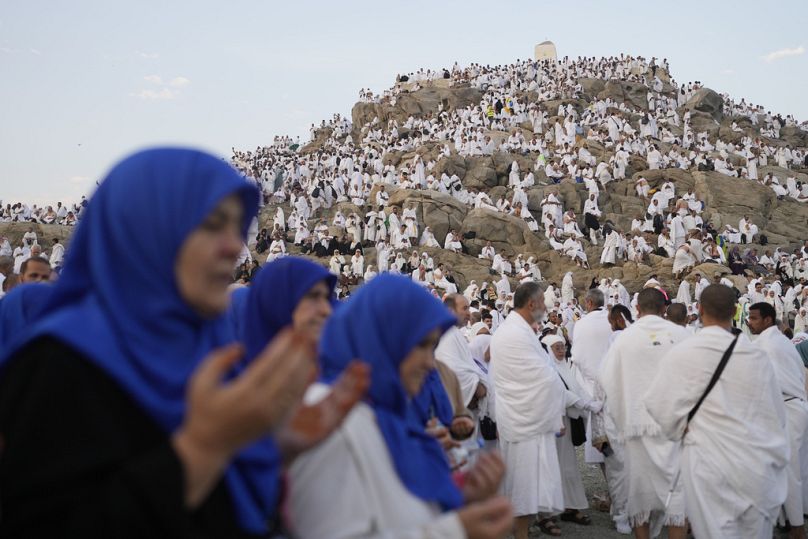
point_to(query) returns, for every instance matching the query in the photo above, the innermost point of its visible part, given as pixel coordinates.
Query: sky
(86, 82)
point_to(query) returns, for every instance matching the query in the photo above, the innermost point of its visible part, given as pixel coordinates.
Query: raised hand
(462, 427)
(483, 480)
(490, 519)
(311, 424)
(441, 434)
(221, 418)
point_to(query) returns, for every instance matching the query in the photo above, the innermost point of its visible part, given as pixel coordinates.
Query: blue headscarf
(432, 401)
(19, 308)
(380, 325)
(235, 312)
(274, 294)
(118, 304)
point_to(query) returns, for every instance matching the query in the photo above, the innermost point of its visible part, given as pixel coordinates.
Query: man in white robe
(588, 348)
(651, 460)
(790, 373)
(453, 350)
(529, 411)
(609, 254)
(590, 343)
(735, 448)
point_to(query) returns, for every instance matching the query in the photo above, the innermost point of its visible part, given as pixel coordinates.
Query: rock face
(45, 233)
(727, 200)
(727, 203)
(439, 212)
(507, 233)
(707, 101)
(419, 103)
(633, 94)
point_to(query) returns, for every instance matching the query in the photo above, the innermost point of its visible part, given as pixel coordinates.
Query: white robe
(373, 501)
(453, 350)
(609, 254)
(575, 400)
(567, 288)
(683, 295)
(652, 461)
(736, 450)
(589, 345)
(790, 372)
(530, 406)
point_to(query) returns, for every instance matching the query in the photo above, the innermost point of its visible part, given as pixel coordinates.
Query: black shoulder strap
(563, 382)
(714, 379)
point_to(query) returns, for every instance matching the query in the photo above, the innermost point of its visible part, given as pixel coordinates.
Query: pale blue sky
(84, 82)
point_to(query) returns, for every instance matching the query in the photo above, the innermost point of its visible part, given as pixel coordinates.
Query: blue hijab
(380, 325)
(19, 308)
(235, 312)
(432, 401)
(117, 301)
(274, 293)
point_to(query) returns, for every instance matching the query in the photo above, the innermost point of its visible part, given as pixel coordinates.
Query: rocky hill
(783, 220)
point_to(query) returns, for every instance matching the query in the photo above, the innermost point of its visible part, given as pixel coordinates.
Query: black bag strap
(714, 379)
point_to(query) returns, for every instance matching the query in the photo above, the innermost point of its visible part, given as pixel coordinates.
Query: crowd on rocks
(332, 201)
(455, 416)
(20, 212)
(443, 408)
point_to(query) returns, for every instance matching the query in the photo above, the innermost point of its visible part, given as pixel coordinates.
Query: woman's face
(312, 311)
(421, 359)
(206, 259)
(559, 350)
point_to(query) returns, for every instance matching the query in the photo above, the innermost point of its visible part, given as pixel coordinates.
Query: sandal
(575, 516)
(548, 526)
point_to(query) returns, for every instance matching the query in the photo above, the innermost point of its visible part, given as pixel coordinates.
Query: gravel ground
(602, 526)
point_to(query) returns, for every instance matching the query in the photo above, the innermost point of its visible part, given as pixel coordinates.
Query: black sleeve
(80, 459)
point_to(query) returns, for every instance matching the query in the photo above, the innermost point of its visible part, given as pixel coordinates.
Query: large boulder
(789, 221)
(592, 86)
(682, 180)
(438, 211)
(45, 233)
(428, 100)
(708, 101)
(729, 199)
(507, 233)
(634, 94)
(794, 136)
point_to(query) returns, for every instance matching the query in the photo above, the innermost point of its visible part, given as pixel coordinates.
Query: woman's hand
(311, 424)
(462, 427)
(490, 519)
(221, 418)
(441, 434)
(483, 480)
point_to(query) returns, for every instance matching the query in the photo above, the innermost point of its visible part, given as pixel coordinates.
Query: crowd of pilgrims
(306, 189)
(144, 393)
(20, 212)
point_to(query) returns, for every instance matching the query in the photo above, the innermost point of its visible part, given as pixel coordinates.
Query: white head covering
(479, 345)
(551, 338)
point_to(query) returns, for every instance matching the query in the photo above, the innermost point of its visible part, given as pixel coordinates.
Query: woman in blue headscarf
(114, 412)
(19, 308)
(380, 474)
(290, 291)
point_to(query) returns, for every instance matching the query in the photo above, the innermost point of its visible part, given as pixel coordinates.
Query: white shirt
(350, 483)
(738, 435)
(785, 359)
(530, 395)
(629, 368)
